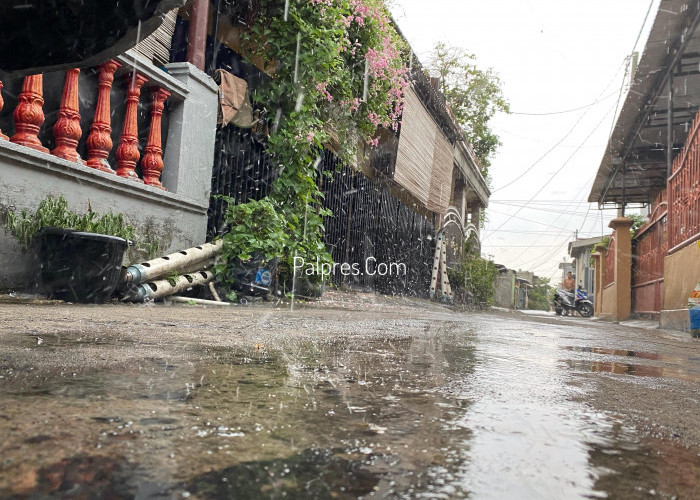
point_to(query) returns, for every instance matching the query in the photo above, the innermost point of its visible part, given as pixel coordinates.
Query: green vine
(339, 75)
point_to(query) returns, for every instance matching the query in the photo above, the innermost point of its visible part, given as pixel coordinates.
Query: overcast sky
(552, 56)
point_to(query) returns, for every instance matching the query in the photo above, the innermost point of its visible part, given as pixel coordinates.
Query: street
(357, 396)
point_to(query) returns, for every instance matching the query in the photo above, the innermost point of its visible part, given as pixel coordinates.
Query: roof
(634, 166)
(578, 246)
(522, 282)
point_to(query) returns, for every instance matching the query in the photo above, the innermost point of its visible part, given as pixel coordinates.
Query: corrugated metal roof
(634, 165)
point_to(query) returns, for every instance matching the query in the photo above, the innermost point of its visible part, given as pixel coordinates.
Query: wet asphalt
(358, 396)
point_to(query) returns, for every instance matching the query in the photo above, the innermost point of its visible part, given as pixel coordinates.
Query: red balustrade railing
(152, 162)
(609, 261)
(29, 117)
(29, 113)
(128, 150)
(2, 103)
(67, 129)
(99, 142)
(684, 193)
(649, 247)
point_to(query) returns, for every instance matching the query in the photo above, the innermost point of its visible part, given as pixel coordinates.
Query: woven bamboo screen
(441, 178)
(424, 158)
(156, 47)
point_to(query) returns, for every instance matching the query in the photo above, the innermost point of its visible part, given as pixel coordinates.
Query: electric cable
(542, 259)
(580, 118)
(597, 101)
(557, 172)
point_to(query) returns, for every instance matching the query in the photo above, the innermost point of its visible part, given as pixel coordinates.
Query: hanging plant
(338, 74)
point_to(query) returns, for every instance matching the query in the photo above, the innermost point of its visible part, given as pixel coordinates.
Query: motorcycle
(565, 303)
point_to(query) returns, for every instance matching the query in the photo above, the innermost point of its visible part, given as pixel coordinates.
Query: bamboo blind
(156, 47)
(441, 178)
(424, 158)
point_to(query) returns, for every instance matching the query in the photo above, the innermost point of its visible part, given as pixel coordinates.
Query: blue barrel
(695, 320)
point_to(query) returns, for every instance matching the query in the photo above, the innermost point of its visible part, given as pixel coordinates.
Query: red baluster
(99, 142)
(128, 149)
(67, 131)
(152, 161)
(29, 115)
(2, 136)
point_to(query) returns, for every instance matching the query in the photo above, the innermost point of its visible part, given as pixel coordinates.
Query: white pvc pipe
(181, 262)
(202, 302)
(162, 288)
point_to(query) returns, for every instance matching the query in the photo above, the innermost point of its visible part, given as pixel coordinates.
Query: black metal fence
(241, 171)
(390, 246)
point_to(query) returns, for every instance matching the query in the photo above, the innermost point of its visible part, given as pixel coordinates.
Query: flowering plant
(338, 74)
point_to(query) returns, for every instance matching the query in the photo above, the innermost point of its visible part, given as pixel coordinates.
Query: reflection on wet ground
(619, 352)
(670, 367)
(469, 407)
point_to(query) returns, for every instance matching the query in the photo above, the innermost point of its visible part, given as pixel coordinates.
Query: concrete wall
(681, 274)
(505, 286)
(176, 218)
(608, 302)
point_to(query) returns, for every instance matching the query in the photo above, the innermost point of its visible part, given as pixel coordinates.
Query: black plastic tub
(77, 266)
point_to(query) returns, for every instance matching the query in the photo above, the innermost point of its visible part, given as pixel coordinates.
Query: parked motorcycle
(565, 303)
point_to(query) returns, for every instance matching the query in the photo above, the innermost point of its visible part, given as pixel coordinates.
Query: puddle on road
(669, 369)
(620, 352)
(389, 418)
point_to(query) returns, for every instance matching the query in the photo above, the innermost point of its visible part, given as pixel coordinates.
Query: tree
(474, 95)
(539, 296)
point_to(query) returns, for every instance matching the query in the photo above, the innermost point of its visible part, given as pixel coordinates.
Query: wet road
(383, 400)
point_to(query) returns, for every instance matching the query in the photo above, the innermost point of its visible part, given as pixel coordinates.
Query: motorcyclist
(568, 285)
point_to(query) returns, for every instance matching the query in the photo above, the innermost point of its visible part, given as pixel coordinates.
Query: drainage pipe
(180, 262)
(162, 288)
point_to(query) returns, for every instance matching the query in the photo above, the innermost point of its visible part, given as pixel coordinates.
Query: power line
(597, 101)
(543, 259)
(617, 104)
(541, 202)
(526, 246)
(558, 170)
(555, 232)
(524, 219)
(542, 209)
(565, 136)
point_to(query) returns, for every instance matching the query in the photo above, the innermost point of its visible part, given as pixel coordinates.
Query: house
(422, 180)
(524, 282)
(504, 285)
(78, 133)
(580, 250)
(511, 288)
(651, 161)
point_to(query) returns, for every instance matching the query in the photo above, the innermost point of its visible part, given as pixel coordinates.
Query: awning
(635, 164)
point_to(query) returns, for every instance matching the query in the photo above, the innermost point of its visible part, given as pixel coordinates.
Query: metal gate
(649, 247)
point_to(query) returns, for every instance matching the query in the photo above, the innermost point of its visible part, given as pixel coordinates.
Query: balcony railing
(141, 91)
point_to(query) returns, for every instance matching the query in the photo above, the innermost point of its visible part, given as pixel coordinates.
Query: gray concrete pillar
(189, 152)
